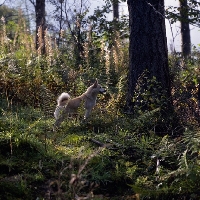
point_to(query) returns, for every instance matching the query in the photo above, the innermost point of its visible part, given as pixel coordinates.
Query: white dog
(66, 105)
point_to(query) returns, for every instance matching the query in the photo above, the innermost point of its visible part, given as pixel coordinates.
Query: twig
(97, 142)
(104, 145)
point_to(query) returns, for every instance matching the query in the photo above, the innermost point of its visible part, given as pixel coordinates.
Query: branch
(2, 3)
(104, 145)
(33, 2)
(97, 142)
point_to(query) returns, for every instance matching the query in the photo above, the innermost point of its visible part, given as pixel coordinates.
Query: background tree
(60, 21)
(148, 57)
(72, 17)
(186, 13)
(115, 9)
(39, 6)
(185, 28)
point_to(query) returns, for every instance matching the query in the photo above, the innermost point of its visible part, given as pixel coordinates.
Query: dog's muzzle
(102, 91)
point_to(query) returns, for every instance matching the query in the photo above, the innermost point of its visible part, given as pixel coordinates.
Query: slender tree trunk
(115, 4)
(60, 21)
(40, 26)
(115, 9)
(185, 29)
(198, 93)
(115, 30)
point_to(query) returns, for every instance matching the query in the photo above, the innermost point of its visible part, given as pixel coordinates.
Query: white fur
(61, 104)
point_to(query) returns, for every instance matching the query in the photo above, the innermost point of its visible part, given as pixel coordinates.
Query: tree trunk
(115, 5)
(198, 93)
(40, 26)
(148, 75)
(185, 29)
(148, 45)
(115, 9)
(115, 34)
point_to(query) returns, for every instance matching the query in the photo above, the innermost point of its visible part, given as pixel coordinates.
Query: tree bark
(60, 22)
(40, 26)
(185, 29)
(198, 93)
(115, 9)
(147, 50)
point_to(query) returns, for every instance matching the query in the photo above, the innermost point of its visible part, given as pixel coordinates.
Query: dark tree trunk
(115, 9)
(148, 76)
(148, 45)
(115, 5)
(60, 23)
(40, 25)
(185, 29)
(198, 93)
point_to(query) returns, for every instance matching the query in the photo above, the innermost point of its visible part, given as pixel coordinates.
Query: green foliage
(185, 76)
(111, 153)
(150, 97)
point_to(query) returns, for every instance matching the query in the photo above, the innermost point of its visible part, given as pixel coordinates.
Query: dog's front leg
(87, 113)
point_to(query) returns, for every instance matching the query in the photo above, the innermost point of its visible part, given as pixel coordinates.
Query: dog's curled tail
(62, 101)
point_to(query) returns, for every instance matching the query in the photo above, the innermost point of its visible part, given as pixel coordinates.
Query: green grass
(35, 155)
(110, 154)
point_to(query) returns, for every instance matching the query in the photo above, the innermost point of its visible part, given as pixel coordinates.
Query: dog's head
(98, 87)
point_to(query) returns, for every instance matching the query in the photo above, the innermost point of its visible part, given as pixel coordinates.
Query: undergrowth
(113, 155)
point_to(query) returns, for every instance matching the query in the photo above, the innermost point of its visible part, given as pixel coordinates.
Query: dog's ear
(95, 83)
